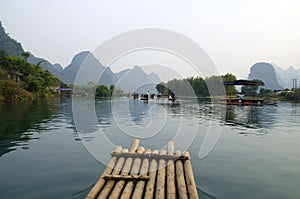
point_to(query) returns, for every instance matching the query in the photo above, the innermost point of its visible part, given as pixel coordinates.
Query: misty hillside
(84, 60)
(265, 72)
(136, 80)
(14, 48)
(287, 75)
(129, 80)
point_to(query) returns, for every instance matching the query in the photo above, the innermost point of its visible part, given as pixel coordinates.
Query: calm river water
(58, 148)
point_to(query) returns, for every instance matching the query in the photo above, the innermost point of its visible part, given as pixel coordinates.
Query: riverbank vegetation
(197, 86)
(285, 95)
(20, 80)
(99, 91)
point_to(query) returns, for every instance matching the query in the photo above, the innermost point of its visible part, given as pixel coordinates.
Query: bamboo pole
(139, 188)
(161, 175)
(152, 177)
(189, 177)
(99, 184)
(126, 194)
(157, 156)
(110, 184)
(171, 191)
(181, 187)
(171, 147)
(134, 145)
(127, 178)
(116, 192)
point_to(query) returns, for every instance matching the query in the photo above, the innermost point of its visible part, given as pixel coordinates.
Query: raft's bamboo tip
(135, 140)
(125, 150)
(140, 149)
(155, 152)
(147, 151)
(170, 142)
(171, 147)
(118, 148)
(178, 152)
(186, 153)
(134, 145)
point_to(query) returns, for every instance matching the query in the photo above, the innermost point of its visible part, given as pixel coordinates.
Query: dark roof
(245, 82)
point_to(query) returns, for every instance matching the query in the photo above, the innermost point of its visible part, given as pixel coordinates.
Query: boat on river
(242, 99)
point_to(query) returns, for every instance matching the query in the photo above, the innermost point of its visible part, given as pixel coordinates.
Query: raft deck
(144, 173)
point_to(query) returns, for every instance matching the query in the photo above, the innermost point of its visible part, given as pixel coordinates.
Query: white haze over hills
(274, 77)
(235, 34)
(129, 80)
(144, 67)
(285, 77)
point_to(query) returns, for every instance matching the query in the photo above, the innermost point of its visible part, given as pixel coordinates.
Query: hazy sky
(234, 33)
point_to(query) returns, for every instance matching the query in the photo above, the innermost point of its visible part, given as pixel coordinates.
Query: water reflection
(132, 113)
(22, 122)
(247, 116)
(139, 111)
(245, 163)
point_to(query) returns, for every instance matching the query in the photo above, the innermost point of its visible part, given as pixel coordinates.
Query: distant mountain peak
(154, 78)
(58, 67)
(81, 55)
(285, 76)
(128, 79)
(133, 78)
(265, 71)
(291, 69)
(137, 67)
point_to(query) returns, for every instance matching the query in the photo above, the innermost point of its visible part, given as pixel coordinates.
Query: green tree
(9, 89)
(111, 89)
(3, 74)
(102, 91)
(229, 89)
(25, 55)
(27, 77)
(162, 88)
(35, 83)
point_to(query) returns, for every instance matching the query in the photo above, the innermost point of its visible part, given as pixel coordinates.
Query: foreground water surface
(58, 148)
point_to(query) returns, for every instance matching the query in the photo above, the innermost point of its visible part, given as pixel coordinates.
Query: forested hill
(20, 80)
(13, 48)
(9, 45)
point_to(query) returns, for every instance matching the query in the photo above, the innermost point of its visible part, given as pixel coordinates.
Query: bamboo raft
(142, 173)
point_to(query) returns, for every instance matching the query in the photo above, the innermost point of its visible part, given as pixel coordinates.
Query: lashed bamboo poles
(189, 177)
(128, 177)
(110, 184)
(171, 191)
(139, 188)
(149, 176)
(181, 186)
(157, 156)
(134, 171)
(99, 184)
(152, 177)
(161, 174)
(120, 184)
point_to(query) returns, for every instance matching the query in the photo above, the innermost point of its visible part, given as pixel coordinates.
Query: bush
(10, 90)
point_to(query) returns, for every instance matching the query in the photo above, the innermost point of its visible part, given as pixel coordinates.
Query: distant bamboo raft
(142, 173)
